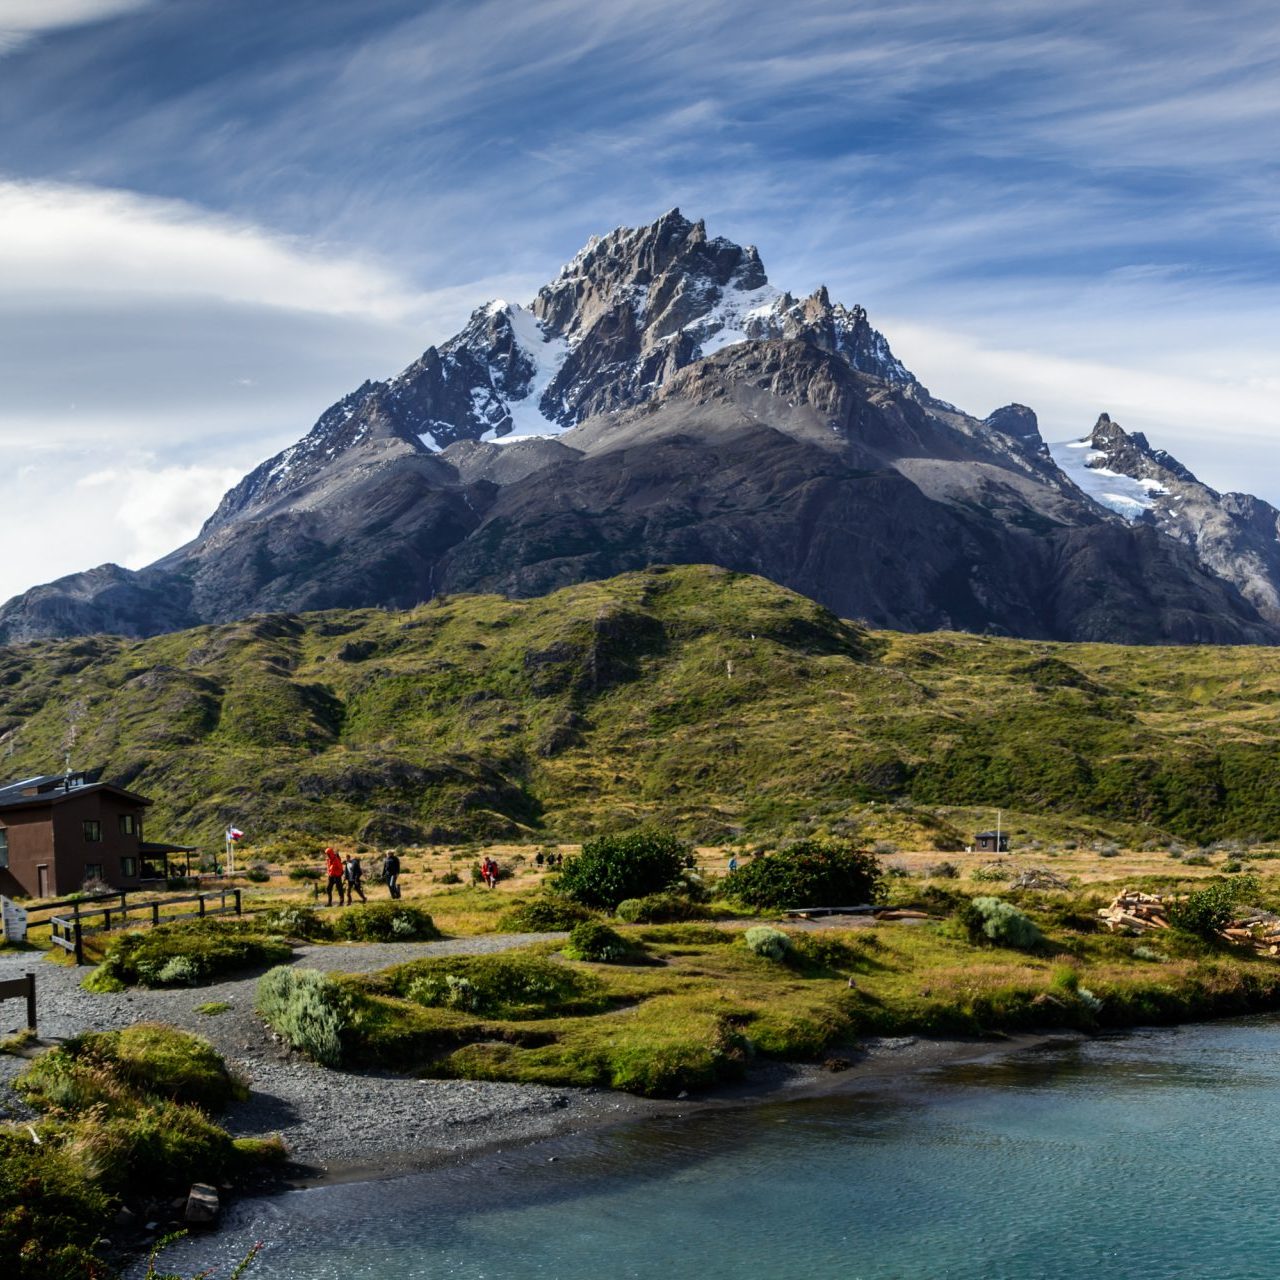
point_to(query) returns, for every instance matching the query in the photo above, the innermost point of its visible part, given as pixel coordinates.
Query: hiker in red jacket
(336, 871)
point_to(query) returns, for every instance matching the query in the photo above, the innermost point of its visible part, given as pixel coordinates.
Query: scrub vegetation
(185, 954)
(656, 1009)
(610, 704)
(125, 1115)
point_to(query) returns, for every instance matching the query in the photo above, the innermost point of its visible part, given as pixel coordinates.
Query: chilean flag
(234, 833)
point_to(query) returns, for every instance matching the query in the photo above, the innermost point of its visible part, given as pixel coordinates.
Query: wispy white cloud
(20, 20)
(92, 241)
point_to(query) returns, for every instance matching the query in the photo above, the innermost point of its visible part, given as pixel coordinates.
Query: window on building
(93, 830)
(92, 871)
(128, 824)
(4, 849)
(128, 867)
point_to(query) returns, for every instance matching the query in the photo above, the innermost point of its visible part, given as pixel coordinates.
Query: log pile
(1039, 878)
(1134, 912)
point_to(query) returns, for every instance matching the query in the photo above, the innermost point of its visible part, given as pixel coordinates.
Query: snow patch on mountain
(737, 316)
(1125, 495)
(547, 354)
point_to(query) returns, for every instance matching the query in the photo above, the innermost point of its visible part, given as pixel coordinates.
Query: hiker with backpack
(336, 872)
(391, 873)
(355, 879)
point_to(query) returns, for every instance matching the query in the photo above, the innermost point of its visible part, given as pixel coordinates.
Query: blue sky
(217, 216)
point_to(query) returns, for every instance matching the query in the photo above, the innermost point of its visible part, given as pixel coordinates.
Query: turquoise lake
(1149, 1154)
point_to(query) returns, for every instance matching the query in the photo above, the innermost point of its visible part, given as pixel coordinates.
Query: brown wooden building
(60, 830)
(991, 842)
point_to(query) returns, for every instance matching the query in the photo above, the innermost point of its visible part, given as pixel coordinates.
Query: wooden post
(79, 933)
(155, 912)
(31, 1001)
(237, 893)
(200, 898)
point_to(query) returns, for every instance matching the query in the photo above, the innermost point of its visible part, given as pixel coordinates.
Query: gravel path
(327, 1118)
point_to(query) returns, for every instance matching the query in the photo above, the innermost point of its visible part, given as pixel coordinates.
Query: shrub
(812, 873)
(385, 922)
(944, 871)
(180, 971)
(162, 1146)
(148, 1059)
(592, 940)
(994, 920)
(661, 908)
(502, 986)
(612, 868)
(449, 877)
(205, 948)
(772, 944)
(991, 874)
(257, 875)
(312, 1012)
(1196, 860)
(51, 1212)
(547, 913)
(304, 873)
(1208, 911)
(294, 922)
(1149, 954)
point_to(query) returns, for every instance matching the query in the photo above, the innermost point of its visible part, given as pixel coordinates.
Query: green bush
(294, 922)
(312, 1012)
(127, 1116)
(51, 1212)
(257, 876)
(661, 908)
(772, 944)
(511, 985)
(185, 953)
(304, 873)
(995, 921)
(821, 872)
(163, 1146)
(594, 941)
(547, 913)
(385, 922)
(612, 868)
(154, 1061)
(1208, 911)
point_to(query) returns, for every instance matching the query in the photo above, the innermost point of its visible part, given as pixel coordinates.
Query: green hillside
(715, 701)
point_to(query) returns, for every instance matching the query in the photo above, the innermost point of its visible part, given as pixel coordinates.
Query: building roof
(156, 847)
(992, 835)
(51, 788)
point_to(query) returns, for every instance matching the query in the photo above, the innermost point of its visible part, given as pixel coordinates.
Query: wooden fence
(67, 931)
(16, 988)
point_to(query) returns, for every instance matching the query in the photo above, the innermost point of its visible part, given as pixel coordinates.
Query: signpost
(15, 920)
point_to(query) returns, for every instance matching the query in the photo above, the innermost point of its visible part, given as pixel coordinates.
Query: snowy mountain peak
(628, 311)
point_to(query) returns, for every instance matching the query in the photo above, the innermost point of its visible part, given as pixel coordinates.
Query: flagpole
(228, 863)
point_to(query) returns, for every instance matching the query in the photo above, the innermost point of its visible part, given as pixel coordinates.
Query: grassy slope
(714, 700)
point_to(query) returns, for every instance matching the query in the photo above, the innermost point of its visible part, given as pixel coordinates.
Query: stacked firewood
(1134, 912)
(1260, 929)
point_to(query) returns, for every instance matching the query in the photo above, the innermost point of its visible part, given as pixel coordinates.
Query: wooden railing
(67, 931)
(18, 988)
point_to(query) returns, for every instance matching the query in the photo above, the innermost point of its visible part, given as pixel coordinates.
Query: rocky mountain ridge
(661, 401)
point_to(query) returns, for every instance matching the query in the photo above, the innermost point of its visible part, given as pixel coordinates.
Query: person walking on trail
(391, 873)
(355, 879)
(336, 872)
(489, 869)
